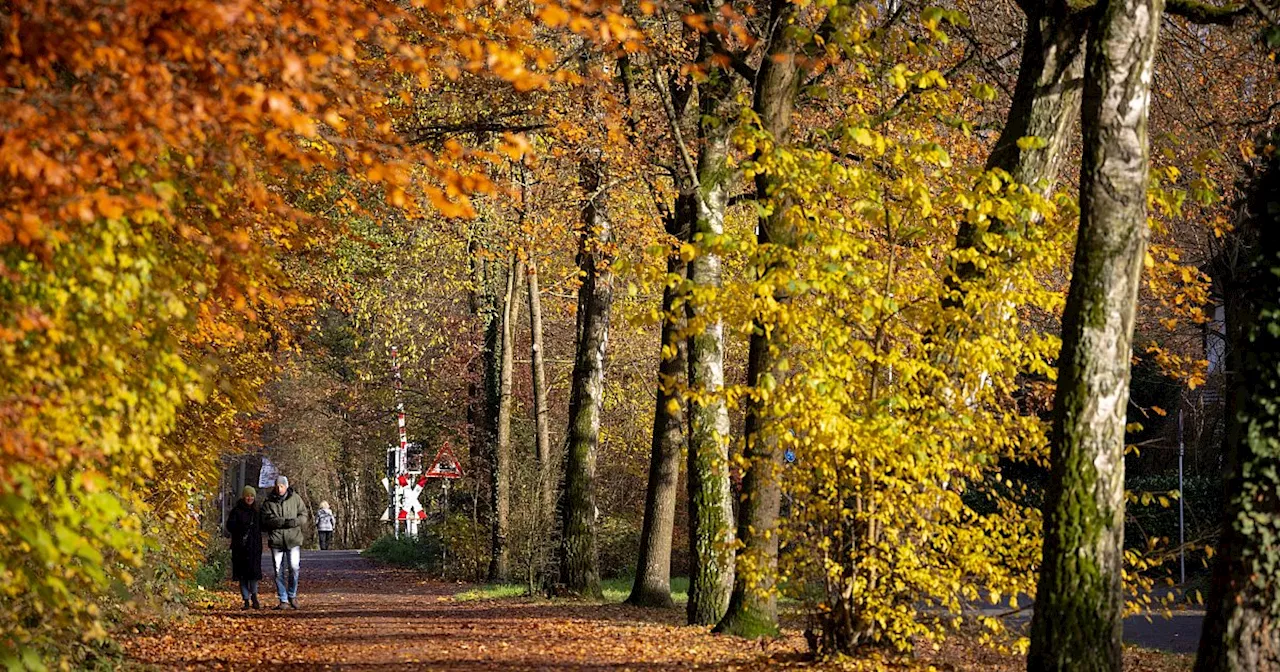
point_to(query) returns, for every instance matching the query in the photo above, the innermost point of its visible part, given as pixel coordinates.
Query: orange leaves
(553, 15)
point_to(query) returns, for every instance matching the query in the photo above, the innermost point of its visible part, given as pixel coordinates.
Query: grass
(492, 591)
(615, 590)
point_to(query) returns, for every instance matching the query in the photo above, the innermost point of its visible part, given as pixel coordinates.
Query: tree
(752, 609)
(579, 571)
(1080, 598)
(500, 469)
(710, 501)
(652, 586)
(1244, 599)
(542, 430)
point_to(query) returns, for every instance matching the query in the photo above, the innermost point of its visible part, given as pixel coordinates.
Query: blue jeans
(249, 590)
(287, 593)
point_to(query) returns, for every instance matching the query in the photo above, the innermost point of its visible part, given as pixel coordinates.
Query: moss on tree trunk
(579, 567)
(1080, 600)
(752, 610)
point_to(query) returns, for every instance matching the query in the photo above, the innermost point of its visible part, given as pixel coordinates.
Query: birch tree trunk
(500, 469)
(541, 414)
(579, 569)
(711, 533)
(752, 609)
(1242, 624)
(652, 587)
(1080, 598)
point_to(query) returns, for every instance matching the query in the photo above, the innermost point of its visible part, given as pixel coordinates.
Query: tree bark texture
(482, 387)
(752, 609)
(1046, 99)
(711, 532)
(500, 471)
(1242, 624)
(579, 570)
(652, 586)
(1080, 598)
(541, 413)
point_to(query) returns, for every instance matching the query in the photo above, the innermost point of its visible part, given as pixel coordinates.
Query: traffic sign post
(445, 465)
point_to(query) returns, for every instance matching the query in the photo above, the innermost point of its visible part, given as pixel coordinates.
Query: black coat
(245, 528)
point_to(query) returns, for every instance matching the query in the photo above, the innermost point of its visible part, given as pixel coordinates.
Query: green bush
(213, 569)
(1147, 522)
(453, 549)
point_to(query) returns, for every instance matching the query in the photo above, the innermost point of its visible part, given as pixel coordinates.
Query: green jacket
(282, 519)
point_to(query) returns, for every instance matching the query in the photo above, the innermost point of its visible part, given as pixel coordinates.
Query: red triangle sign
(446, 465)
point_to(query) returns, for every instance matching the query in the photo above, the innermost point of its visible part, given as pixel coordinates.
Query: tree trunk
(711, 535)
(1242, 623)
(481, 373)
(753, 610)
(541, 414)
(579, 570)
(1080, 597)
(1046, 99)
(652, 586)
(500, 470)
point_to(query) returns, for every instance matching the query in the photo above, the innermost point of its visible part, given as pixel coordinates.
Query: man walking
(282, 516)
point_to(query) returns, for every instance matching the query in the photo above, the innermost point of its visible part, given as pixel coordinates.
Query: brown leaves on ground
(356, 616)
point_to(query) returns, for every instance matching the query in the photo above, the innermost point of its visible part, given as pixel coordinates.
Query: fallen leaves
(357, 616)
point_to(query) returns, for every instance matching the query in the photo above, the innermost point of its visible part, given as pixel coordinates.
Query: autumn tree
(1243, 604)
(579, 571)
(1079, 597)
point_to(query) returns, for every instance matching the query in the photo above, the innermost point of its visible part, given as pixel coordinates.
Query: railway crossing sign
(404, 495)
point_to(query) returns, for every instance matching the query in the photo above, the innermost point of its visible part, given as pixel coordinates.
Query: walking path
(358, 616)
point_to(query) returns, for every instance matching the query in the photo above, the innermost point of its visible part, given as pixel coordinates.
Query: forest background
(637, 259)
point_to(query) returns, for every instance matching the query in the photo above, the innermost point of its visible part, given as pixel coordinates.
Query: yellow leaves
(930, 79)
(1030, 142)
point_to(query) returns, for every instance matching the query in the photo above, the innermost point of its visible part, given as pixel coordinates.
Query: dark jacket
(243, 526)
(282, 518)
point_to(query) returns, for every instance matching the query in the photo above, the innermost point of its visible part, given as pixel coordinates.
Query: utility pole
(1182, 498)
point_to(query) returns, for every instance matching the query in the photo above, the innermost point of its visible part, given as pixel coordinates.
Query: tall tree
(579, 570)
(710, 499)
(500, 469)
(541, 413)
(1079, 598)
(752, 609)
(1243, 609)
(652, 586)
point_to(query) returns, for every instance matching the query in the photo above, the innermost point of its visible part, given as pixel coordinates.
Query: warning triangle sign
(446, 465)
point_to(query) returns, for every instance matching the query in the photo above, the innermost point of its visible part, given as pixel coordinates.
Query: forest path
(356, 615)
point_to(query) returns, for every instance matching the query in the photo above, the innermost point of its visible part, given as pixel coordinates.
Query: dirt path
(358, 616)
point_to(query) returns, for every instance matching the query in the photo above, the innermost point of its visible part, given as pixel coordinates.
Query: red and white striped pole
(401, 456)
(402, 450)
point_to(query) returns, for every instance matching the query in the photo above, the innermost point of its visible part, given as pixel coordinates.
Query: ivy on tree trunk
(1242, 623)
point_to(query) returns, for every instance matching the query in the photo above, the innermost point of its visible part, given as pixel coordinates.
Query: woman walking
(245, 530)
(324, 523)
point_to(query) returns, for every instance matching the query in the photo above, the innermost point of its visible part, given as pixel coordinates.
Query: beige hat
(324, 505)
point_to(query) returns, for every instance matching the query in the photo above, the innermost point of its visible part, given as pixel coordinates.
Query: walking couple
(281, 516)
